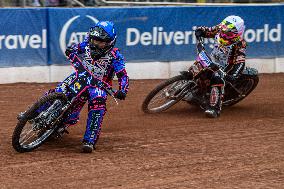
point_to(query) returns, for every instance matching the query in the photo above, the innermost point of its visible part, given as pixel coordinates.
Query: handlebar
(200, 45)
(201, 48)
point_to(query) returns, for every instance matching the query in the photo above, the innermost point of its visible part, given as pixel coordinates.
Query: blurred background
(89, 3)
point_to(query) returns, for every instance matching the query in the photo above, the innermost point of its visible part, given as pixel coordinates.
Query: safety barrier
(159, 36)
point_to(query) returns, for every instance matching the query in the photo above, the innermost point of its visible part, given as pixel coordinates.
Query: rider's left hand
(68, 51)
(121, 95)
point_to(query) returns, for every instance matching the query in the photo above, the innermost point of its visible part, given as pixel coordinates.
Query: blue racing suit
(103, 69)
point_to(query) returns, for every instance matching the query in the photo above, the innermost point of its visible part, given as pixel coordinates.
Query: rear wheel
(245, 85)
(165, 95)
(31, 131)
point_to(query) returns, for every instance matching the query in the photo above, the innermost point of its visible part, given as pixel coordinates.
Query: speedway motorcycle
(195, 90)
(44, 118)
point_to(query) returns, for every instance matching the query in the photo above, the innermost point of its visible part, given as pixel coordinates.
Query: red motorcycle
(195, 90)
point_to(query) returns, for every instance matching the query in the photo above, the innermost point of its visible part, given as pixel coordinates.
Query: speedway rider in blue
(103, 60)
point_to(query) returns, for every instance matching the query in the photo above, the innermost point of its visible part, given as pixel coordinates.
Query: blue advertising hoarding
(144, 33)
(23, 37)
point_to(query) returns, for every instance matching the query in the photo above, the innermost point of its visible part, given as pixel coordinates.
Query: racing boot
(214, 109)
(87, 147)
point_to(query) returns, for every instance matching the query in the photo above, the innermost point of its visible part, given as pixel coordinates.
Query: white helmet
(232, 29)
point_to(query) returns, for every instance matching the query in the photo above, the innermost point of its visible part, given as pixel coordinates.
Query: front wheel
(32, 130)
(165, 95)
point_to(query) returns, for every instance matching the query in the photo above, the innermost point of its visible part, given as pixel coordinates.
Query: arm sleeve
(120, 71)
(79, 48)
(236, 69)
(240, 58)
(241, 53)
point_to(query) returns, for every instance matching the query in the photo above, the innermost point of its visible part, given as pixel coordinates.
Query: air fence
(157, 42)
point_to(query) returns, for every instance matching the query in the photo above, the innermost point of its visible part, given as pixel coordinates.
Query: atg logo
(75, 37)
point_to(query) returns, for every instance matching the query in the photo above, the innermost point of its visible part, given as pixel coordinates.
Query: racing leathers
(103, 69)
(230, 59)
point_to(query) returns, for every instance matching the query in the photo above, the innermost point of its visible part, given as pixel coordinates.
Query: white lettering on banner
(136, 32)
(76, 37)
(264, 34)
(11, 42)
(35, 41)
(157, 37)
(146, 38)
(276, 31)
(250, 35)
(19, 41)
(160, 37)
(179, 37)
(23, 41)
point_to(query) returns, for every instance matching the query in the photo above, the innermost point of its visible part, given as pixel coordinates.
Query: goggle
(227, 24)
(228, 35)
(99, 44)
(225, 41)
(229, 31)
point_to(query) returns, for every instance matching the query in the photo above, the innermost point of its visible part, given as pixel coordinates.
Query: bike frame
(78, 84)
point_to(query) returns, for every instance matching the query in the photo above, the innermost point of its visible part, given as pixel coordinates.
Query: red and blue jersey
(106, 67)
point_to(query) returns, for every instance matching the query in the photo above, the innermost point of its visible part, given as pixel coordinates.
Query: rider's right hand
(68, 51)
(199, 32)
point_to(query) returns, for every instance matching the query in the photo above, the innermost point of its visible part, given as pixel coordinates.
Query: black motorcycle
(194, 89)
(44, 118)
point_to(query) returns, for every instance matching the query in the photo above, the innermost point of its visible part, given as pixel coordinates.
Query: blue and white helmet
(102, 38)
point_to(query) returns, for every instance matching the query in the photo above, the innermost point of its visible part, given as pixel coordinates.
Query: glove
(68, 51)
(120, 95)
(199, 32)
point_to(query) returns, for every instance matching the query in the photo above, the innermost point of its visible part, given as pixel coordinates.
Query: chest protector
(98, 67)
(221, 54)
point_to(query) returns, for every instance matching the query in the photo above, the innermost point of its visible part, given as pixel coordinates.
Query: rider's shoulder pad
(116, 54)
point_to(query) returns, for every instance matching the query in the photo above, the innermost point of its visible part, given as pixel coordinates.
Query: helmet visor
(98, 44)
(228, 31)
(228, 35)
(227, 40)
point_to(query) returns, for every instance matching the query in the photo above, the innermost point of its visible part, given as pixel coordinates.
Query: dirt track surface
(180, 148)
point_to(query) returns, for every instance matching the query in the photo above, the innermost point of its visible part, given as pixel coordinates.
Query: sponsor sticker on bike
(204, 59)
